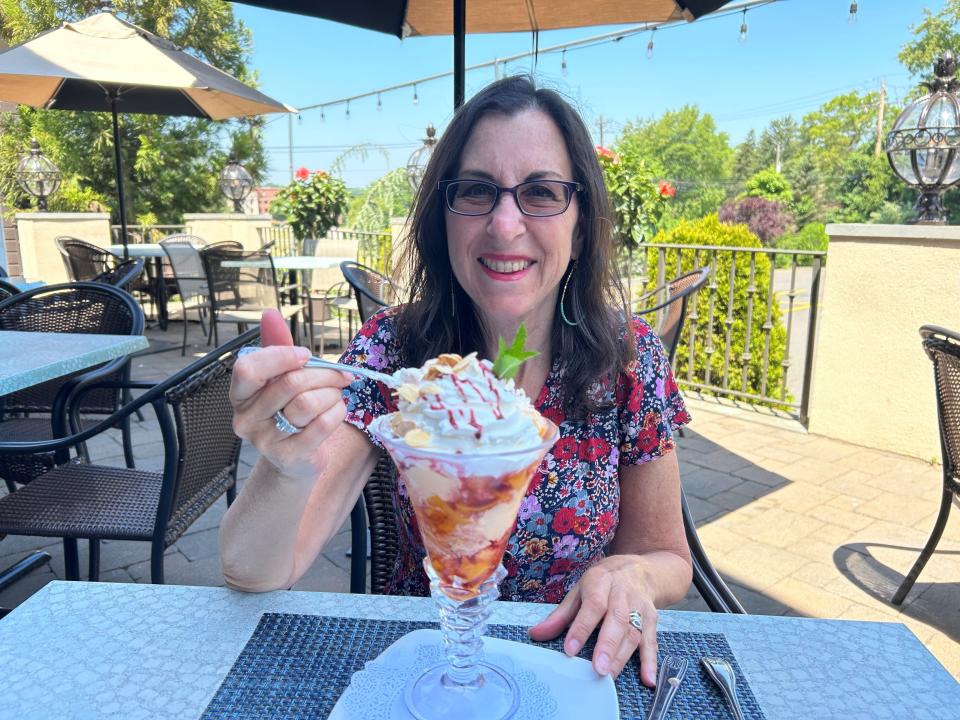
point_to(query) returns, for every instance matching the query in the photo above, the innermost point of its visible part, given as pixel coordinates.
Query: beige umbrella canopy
(103, 63)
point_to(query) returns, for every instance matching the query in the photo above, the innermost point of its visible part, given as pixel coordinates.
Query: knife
(672, 670)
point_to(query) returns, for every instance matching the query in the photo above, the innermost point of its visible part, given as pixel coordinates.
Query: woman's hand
(274, 379)
(606, 595)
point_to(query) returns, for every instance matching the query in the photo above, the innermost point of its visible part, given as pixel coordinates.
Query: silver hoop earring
(453, 300)
(563, 295)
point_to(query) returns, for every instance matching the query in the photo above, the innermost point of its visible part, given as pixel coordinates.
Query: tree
(935, 34)
(840, 126)
(386, 197)
(170, 164)
(685, 147)
(767, 219)
(746, 160)
(779, 141)
(866, 184)
(771, 185)
(808, 189)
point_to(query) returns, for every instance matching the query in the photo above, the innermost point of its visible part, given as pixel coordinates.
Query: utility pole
(290, 143)
(601, 123)
(777, 164)
(883, 98)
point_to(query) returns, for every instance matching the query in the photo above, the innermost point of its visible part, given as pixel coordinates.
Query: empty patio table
(95, 650)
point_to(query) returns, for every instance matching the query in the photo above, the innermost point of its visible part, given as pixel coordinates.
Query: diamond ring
(284, 425)
(636, 621)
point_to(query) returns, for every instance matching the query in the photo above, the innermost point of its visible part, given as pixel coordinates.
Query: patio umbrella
(103, 63)
(405, 18)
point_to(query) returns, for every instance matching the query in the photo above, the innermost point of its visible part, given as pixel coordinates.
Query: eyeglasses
(536, 198)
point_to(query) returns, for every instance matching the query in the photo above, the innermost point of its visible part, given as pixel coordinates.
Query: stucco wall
(39, 257)
(872, 383)
(217, 227)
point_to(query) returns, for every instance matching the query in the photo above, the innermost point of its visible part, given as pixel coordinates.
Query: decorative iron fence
(373, 249)
(146, 233)
(751, 327)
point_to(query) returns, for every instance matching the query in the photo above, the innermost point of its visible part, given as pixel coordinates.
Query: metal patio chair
(31, 413)
(97, 502)
(183, 252)
(124, 275)
(373, 290)
(8, 289)
(83, 260)
(670, 302)
(943, 348)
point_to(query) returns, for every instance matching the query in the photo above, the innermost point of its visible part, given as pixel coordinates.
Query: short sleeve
(376, 347)
(649, 404)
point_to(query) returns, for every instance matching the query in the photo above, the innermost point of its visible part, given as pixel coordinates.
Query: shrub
(709, 318)
(311, 204)
(810, 237)
(767, 219)
(770, 185)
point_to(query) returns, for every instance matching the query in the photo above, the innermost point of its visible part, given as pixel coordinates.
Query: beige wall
(217, 227)
(39, 256)
(872, 383)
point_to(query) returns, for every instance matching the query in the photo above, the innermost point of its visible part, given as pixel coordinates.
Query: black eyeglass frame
(571, 186)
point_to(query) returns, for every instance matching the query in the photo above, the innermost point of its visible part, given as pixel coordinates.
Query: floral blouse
(571, 511)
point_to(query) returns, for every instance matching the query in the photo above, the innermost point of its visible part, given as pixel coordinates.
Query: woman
(511, 225)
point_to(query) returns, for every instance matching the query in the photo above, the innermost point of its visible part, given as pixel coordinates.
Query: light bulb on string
(650, 44)
(743, 28)
(563, 62)
(852, 18)
(347, 114)
(379, 103)
(323, 115)
(299, 119)
(416, 98)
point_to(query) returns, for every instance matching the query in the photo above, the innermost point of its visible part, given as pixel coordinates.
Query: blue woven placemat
(297, 666)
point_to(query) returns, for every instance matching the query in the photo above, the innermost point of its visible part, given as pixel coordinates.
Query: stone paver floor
(798, 524)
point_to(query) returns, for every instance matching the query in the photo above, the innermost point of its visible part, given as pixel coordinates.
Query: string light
(563, 62)
(743, 27)
(348, 110)
(379, 103)
(416, 99)
(852, 19)
(299, 119)
(650, 44)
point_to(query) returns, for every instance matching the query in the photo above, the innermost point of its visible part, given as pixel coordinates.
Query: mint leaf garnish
(511, 357)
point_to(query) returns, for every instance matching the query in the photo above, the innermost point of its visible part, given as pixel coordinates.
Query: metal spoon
(672, 670)
(721, 672)
(315, 362)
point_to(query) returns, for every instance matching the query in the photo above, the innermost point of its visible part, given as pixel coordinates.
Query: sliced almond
(464, 362)
(432, 373)
(448, 359)
(429, 389)
(408, 392)
(417, 438)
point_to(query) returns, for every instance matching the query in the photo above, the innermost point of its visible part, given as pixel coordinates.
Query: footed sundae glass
(466, 506)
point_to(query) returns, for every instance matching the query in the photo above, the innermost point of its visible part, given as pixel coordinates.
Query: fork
(315, 362)
(721, 672)
(672, 670)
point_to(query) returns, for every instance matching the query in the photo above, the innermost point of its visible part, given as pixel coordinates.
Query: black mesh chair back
(240, 279)
(943, 348)
(66, 308)
(83, 260)
(7, 289)
(669, 302)
(183, 254)
(94, 502)
(372, 289)
(124, 275)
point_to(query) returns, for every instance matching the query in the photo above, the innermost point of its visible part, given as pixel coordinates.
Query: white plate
(552, 685)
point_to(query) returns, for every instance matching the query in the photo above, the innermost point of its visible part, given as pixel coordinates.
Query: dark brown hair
(440, 317)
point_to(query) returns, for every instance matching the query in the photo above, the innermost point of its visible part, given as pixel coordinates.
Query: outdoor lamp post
(235, 183)
(417, 164)
(922, 147)
(37, 175)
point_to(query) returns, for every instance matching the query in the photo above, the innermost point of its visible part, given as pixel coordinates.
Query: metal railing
(146, 233)
(373, 249)
(753, 305)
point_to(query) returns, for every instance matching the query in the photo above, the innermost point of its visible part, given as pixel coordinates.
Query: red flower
(510, 565)
(581, 524)
(605, 522)
(553, 593)
(666, 189)
(302, 173)
(563, 520)
(647, 439)
(593, 449)
(561, 566)
(604, 152)
(636, 398)
(566, 448)
(554, 415)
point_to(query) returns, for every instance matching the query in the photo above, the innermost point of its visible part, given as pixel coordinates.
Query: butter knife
(721, 672)
(672, 670)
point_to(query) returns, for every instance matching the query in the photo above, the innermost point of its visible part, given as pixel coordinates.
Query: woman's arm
(649, 567)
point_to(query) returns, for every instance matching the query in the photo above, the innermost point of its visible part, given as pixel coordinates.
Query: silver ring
(284, 425)
(636, 621)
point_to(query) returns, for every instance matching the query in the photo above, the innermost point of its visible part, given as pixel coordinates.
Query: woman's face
(511, 264)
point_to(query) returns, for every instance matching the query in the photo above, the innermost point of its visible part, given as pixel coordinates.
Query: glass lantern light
(235, 183)
(37, 175)
(923, 144)
(417, 164)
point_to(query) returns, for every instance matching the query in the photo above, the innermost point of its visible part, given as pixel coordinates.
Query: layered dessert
(466, 444)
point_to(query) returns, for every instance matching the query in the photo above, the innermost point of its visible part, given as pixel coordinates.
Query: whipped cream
(457, 404)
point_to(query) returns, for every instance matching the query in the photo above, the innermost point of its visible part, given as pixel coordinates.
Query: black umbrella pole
(119, 166)
(459, 50)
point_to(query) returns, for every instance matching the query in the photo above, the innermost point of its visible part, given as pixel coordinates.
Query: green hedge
(710, 231)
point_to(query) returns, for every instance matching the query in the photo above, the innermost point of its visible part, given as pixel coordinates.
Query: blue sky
(799, 53)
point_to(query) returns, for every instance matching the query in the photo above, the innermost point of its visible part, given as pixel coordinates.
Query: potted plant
(311, 204)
